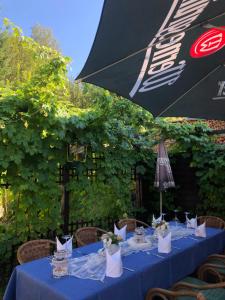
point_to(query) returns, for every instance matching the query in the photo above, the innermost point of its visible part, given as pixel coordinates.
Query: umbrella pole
(160, 195)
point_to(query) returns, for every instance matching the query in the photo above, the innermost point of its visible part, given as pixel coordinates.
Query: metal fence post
(65, 205)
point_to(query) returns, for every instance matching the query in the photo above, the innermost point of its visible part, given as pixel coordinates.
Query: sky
(73, 22)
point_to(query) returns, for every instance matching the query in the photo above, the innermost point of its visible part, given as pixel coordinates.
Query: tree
(20, 56)
(84, 95)
(44, 36)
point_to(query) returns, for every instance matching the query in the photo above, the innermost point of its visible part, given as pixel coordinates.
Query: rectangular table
(34, 281)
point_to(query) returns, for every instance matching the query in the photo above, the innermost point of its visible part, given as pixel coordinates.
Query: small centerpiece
(160, 227)
(111, 241)
(139, 235)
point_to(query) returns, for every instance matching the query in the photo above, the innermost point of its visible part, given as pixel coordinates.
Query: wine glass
(186, 216)
(163, 216)
(175, 217)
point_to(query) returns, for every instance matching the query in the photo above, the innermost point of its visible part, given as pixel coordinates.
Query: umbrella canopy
(166, 56)
(163, 176)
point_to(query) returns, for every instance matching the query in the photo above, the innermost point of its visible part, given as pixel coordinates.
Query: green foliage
(38, 120)
(33, 124)
(44, 36)
(210, 167)
(207, 158)
(20, 56)
(120, 139)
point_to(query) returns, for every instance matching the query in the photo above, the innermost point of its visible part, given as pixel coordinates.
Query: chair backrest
(88, 235)
(131, 224)
(34, 249)
(212, 221)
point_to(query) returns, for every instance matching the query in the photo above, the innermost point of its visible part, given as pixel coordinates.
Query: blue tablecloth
(34, 281)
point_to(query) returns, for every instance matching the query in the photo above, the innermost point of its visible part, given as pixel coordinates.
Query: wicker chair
(88, 235)
(189, 288)
(212, 221)
(213, 268)
(131, 224)
(34, 249)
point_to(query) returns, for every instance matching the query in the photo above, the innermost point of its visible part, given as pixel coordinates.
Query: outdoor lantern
(76, 152)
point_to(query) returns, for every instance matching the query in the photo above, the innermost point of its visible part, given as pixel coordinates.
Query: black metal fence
(104, 223)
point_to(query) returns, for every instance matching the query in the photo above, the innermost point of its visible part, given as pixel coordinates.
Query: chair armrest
(182, 285)
(167, 294)
(219, 257)
(210, 269)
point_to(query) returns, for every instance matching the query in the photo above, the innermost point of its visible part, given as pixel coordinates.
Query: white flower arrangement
(110, 238)
(162, 225)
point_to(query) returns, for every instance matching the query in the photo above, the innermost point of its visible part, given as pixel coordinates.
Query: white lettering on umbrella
(221, 91)
(168, 77)
(163, 56)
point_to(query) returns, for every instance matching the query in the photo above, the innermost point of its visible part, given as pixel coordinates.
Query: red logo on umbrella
(208, 43)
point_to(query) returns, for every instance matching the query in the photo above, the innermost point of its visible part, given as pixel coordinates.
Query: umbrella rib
(210, 26)
(196, 84)
(143, 49)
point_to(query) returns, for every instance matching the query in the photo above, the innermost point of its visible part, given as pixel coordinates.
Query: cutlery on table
(157, 255)
(128, 269)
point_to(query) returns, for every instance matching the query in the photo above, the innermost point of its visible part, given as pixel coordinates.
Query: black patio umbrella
(167, 56)
(163, 176)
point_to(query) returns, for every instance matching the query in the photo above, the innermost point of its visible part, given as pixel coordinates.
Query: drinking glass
(175, 217)
(186, 216)
(163, 216)
(59, 264)
(139, 235)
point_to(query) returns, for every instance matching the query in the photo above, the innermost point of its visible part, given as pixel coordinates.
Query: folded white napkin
(164, 243)
(154, 220)
(191, 223)
(114, 267)
(200, 230)
(68, 245)
(121, 232)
